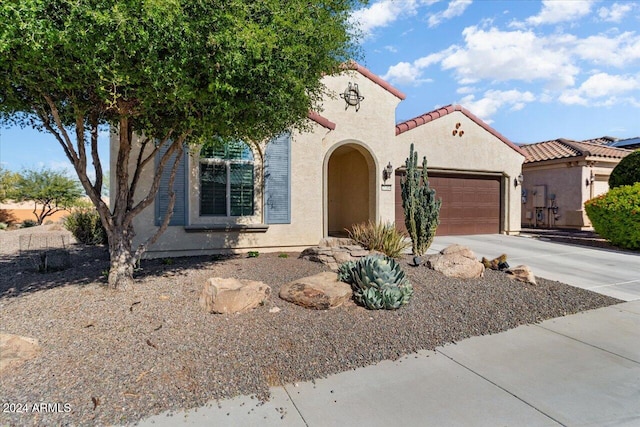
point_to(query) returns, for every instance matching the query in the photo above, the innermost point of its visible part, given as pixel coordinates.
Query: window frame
(227, 162)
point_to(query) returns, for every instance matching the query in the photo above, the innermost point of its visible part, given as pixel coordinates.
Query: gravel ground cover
(118, 356)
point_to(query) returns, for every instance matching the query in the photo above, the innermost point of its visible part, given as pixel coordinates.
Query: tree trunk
(122, 261)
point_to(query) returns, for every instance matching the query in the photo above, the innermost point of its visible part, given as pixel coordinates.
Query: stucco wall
(367, 134)
(477, 150)
(567, 180)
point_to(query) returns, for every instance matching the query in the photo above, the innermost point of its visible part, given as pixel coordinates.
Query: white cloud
(455, 8)
(618, 51)
(602, 89)
(556, 11)
(384, 13)
(464, 90)
(411, 73)
(616, 12)
(493, 100)
(511, 55)
(391, 49)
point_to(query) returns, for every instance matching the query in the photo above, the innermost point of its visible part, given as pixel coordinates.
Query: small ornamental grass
(382, 237)
(615, 215)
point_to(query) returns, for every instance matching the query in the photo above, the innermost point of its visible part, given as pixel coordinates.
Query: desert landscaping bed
(118, 356)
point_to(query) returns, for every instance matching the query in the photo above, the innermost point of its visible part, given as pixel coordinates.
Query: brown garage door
(470, 204)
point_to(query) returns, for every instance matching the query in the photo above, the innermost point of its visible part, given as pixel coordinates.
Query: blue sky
(534, 70)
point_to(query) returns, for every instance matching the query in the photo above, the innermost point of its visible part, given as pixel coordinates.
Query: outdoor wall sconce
(351, 96)
(387, 172)
(518, 180)
(590, 180)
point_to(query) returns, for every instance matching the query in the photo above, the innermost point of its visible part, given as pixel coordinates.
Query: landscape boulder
(321, 291)
(15, 350)
(333, 251)
(522, 273)
(456, 261)
(229, 295)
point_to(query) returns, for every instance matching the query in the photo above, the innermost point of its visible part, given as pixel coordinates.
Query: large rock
(220, 295)
(333, 251)
(321, 291)
(456, 261)
(522, 273)
(15, 350)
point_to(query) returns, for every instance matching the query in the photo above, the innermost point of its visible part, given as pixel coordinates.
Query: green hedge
(86, 227)
(615, 215)
(627, 172)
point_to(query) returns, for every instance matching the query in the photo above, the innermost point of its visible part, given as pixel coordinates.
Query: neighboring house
(629, 144)
(301, 187)
(559, 176)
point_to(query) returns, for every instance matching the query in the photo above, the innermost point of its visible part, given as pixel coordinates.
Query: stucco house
(559, 176)
(301, 187)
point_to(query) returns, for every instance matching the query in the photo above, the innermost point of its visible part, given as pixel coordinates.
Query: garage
(470, 203)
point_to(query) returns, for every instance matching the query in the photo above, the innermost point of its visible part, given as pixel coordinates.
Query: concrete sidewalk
(577, 370)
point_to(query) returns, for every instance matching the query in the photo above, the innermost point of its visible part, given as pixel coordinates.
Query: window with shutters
(227, 180)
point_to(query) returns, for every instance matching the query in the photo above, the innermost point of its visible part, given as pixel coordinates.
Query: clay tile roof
(566, 149)
(603, 140)
(322, 121)
(352, 65)
(440, 112)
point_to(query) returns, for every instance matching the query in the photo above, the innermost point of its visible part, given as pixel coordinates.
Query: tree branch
(97, 165)
(169, 212)
(153, 191)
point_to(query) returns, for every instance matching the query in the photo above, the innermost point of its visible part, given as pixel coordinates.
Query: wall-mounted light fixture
(589, 181)
(387, 172)
(518, 180)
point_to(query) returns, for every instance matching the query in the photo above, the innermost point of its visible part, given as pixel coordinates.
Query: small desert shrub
(283, 255)
(615, 215)
(3, 225)
(381, 237)
(627, 172)
(253, 254)
(86, 227)
(29, 223)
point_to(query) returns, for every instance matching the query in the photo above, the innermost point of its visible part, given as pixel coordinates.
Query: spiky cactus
(378, 282)
(421, 209)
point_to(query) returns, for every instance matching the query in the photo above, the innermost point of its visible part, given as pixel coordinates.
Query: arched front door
(350, 188)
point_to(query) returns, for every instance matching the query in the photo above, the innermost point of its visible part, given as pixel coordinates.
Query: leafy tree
(8, 182)
(627, 172)
(170, 71)
(49, 190)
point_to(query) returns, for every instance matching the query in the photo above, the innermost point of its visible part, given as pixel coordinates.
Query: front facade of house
(301, 187)
(559, 176)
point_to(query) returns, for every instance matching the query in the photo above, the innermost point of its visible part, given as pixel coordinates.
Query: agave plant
(379, 282)
(345, 272)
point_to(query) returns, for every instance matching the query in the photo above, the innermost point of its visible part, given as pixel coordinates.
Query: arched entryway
(350, 184)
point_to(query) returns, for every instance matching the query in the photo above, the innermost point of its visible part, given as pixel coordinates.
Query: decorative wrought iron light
(352, 96)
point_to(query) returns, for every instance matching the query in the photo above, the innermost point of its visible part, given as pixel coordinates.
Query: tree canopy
(169, 70)
(50, 191)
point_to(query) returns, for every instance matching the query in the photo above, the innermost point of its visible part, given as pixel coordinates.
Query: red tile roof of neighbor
(566, 149)
(441, 112)
(322, 121)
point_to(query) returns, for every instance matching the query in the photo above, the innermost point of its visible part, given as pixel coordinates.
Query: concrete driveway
(611, 273)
